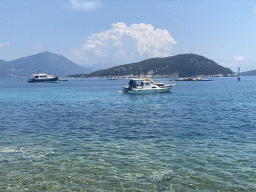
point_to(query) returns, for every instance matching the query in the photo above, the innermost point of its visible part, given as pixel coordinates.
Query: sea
(82, 135)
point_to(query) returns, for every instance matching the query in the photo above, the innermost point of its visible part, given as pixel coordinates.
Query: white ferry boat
(42, 77)
(146, 85)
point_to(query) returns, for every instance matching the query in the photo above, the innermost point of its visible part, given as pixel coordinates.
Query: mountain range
(249, 73)
(183, 65)
(45, 62)
(99, 66)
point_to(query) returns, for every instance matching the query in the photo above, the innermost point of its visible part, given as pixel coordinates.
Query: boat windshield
(131, 82)
(134, 83)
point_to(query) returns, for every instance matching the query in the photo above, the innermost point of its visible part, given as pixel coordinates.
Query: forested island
(183, 65)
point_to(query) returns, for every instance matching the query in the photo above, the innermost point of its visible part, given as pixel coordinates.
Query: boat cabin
(41, 76)
(141, 83)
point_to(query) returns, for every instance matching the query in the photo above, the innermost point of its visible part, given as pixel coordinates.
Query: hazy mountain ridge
(183, 65)
(3, 71)
(99, 66)
(2, 61)
(248, 73)
(46, 62)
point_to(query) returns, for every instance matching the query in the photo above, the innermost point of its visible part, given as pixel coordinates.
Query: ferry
(146, 85)
(42, 77)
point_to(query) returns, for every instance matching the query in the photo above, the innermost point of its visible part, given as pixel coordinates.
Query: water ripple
(83, 135)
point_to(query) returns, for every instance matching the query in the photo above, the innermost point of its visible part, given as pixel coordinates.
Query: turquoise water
(81, 135)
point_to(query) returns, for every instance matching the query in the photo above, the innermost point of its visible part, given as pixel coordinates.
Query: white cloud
(4, 44)
(239, 58)
(124, 43)
(85, 5)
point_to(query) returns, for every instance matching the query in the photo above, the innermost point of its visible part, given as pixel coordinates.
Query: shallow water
(81, 135)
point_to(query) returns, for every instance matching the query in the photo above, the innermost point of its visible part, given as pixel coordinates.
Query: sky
(124, 31)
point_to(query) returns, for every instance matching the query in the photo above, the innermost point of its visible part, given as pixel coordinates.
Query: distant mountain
(45, 62)
(249, 73)
(99, 66)
(3, 71)
(185, 65)
(2, 61)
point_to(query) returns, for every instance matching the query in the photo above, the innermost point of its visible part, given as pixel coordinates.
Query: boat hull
(125, 89)
(32, 80)
(146, 91)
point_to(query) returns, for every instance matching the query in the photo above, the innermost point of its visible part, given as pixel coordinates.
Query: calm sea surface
(81, 135)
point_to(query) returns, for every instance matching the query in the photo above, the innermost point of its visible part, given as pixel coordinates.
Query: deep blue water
(81, 135)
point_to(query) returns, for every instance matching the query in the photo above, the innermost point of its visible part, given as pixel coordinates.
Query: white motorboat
(42, 77)
(146, 85)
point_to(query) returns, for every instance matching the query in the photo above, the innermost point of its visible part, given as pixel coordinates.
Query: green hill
(185, 65)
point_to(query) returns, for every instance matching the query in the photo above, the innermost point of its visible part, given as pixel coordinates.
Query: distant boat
(112, 79)
(42, 77)
(192, 79)
(62, 79)
(145, 85)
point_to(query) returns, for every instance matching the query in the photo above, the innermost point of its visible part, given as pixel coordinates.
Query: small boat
(192, 79)
(112, 79)
(146, 85)
(42, 77)
(62, 79)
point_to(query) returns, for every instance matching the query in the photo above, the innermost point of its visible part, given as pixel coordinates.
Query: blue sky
(125, 31)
